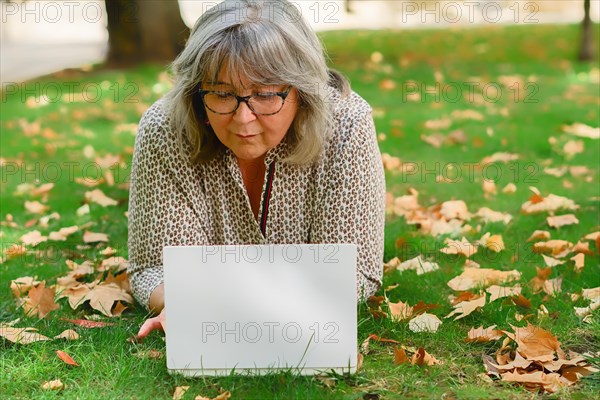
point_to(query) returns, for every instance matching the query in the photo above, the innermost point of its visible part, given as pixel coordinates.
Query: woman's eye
(223, 95)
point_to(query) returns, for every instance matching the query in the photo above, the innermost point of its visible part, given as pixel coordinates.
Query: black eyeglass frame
(244, 99)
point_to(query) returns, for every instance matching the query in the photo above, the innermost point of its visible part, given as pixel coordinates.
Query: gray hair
(268, 42)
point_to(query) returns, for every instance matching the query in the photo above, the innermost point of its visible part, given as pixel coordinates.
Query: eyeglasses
(267, 103)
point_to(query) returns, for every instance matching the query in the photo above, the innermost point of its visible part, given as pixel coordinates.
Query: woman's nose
(243, 114)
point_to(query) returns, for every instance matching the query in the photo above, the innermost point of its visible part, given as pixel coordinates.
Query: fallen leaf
(35, 207)
(40, 300)
(33, 238)
(547, 204)
(53, 385)
(63, 233)
(179, 392)
(553, 247)
(498, 292)
(21, 335)
(22, 285)
(553, 286)
(97, 196)
(66, 358)
(510, 188)
(484, 335)
(492, 242)
(92, 237)
(573, 147)
(400, 311)
(539, 235)
(424, 323)
(551, 262)
(484, 277)
(535, 343)
(419, 265)
(455, 209)
(68, 334)
(421, 357)
(488, 215)
(463, 247)
(582, 130)
(400, 356)
(89, 324)
(562, 220)
(579, 260)
(465, 308)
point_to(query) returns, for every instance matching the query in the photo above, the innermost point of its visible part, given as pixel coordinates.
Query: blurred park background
(40, 37)
(487, 115)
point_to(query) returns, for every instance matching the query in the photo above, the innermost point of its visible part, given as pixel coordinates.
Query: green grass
(562, 92)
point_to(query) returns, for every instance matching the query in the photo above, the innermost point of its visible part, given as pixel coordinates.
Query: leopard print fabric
(339, 199)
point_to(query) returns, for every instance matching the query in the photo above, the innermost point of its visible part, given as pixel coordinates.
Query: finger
(148, 326)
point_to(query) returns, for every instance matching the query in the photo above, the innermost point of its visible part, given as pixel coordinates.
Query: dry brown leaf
(63, 233)
(550, 203)
(484, 335)
(116, 264)
(40, 301)
(510, 188)
(68, 334)
(35, 207)
(455, 209)
(539, 235)
(15, 250)
(103, 296)
(97, 196)
(421, 357)
(463, 247)
(22, 285)
(553, 247)
(484, 277)
(179, 392)
(53, 385)
(498, 292)
(592, 236)
(419, 265)
(582, 130)
(572, 148)
(400, 311)
(551, 262)
(534, 343)
(492, 242)
(562, 220)
(465, 308)
(500, 157)
(21, 335)
(33, 238)
(227, 394)
(538, 281)
(424, 323)
(400, 356)
(489, 187)
(488, 215)
(553, 286)
(67, 359)
(92, 237)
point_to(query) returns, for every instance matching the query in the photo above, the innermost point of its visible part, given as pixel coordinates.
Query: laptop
(260, 309)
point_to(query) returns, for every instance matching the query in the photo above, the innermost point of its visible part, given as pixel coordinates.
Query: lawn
(494, 89)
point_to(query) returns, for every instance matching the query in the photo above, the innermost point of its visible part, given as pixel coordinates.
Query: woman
(256, 143)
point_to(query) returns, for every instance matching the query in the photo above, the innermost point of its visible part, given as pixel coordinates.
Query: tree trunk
(144, 31)
(586, 52)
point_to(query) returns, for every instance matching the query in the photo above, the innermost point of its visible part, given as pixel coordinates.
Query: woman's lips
(245, 136)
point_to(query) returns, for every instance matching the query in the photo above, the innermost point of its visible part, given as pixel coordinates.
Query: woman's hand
(151, 324)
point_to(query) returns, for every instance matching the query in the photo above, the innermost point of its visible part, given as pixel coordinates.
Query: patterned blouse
(339, 199)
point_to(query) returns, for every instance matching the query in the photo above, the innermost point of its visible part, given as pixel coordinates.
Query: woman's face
(250, 135)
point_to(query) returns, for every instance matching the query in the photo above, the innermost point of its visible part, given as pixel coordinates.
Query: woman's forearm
(157, 299)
